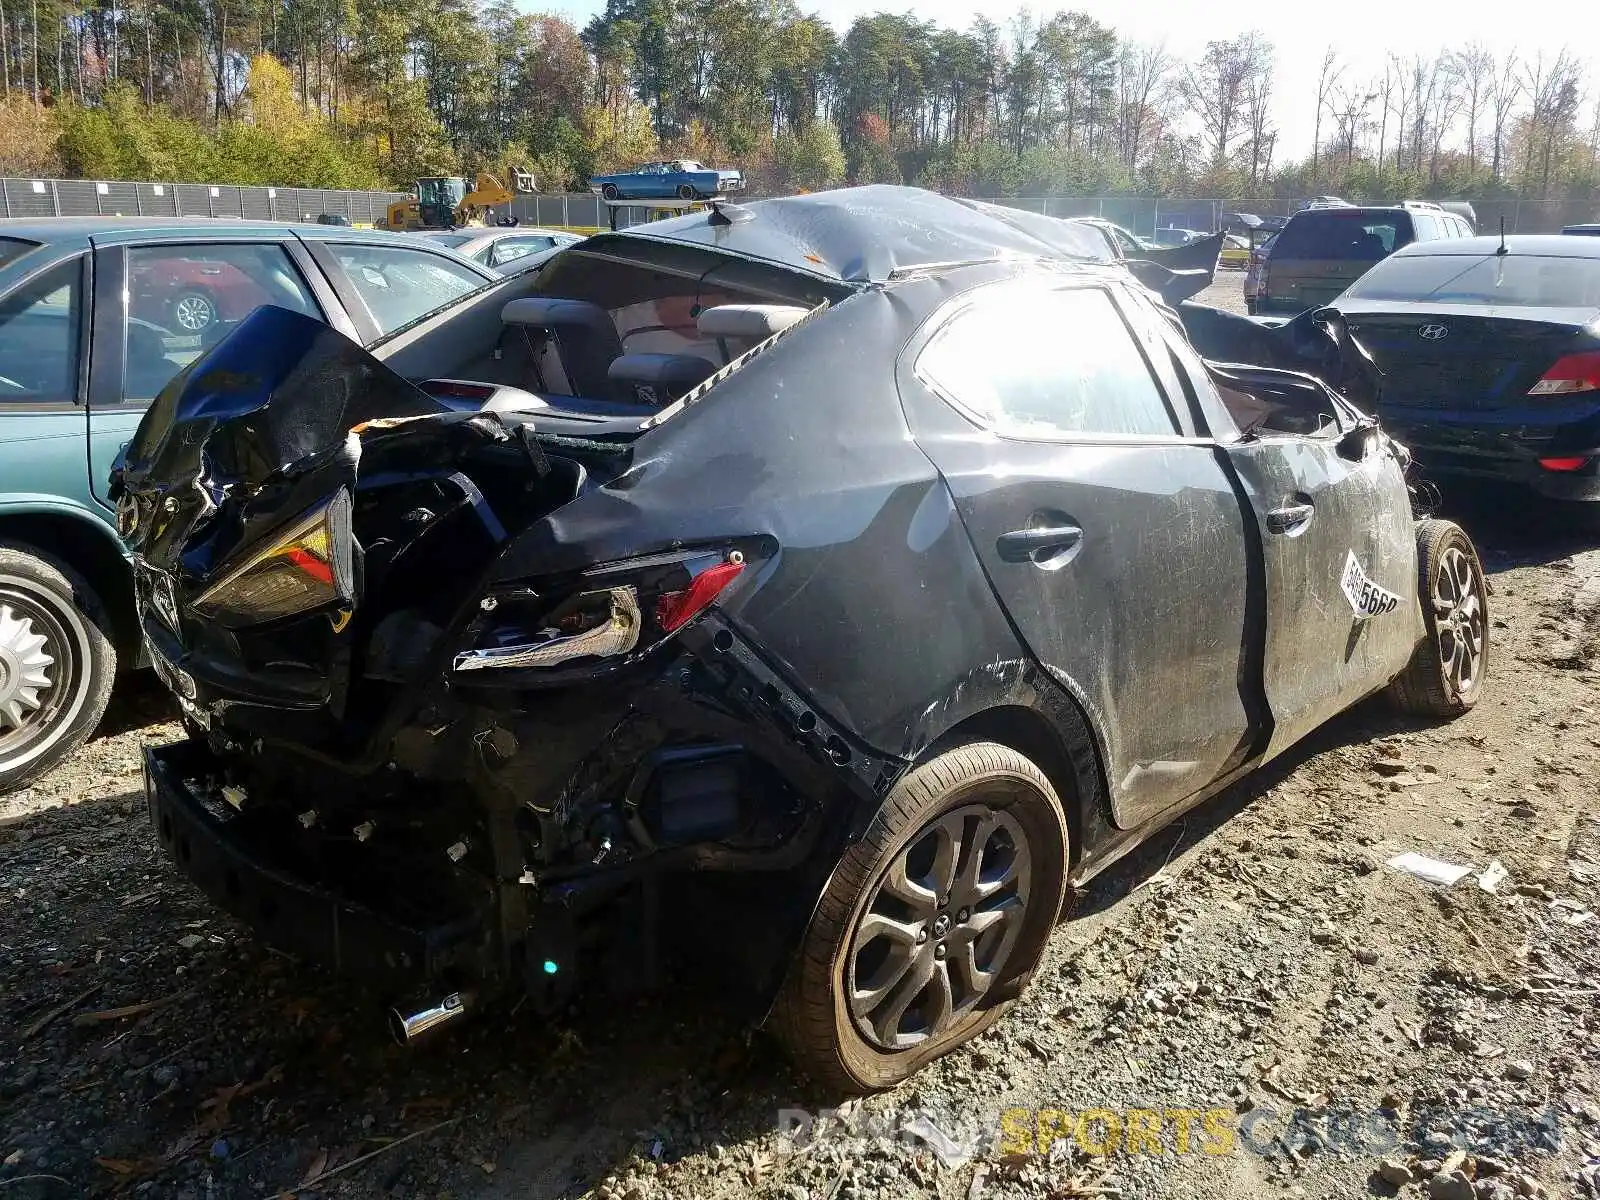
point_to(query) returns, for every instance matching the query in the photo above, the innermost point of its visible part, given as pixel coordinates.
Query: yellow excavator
(443, 201)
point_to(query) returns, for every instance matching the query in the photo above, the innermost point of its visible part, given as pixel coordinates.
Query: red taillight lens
(1571, 373)
(676, 609)
(1564, 464)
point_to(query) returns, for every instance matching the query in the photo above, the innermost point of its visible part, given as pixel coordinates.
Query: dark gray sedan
(824, 588)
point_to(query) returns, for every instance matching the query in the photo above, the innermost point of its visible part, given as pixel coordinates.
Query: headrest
(756, 321)
(657, 379)
(661, 370)
(552, 312)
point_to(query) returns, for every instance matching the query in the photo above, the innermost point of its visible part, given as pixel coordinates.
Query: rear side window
(12, 249)
(1342, 236)
(510, 248)
(1043, 364)
(401, 285)
(184, 298)
(1427, 227)
(40, 331)
(1514, 281)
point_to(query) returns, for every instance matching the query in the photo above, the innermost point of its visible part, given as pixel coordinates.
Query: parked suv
(1323, 250)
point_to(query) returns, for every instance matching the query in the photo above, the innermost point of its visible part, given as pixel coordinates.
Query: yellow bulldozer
(443, 201)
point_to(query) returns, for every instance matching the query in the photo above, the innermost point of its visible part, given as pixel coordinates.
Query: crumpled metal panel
(271, 402)
(865, 234)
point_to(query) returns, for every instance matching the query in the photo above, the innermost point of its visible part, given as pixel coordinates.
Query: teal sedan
(96, 315)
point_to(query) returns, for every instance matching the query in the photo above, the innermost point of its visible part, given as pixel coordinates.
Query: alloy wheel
(32, 677)
(1459, 612)
(193, 312)
(939, 927)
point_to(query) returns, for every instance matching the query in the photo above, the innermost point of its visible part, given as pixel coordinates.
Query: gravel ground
(1292, 1016)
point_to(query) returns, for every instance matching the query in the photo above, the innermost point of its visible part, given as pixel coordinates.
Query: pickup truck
(679, 179)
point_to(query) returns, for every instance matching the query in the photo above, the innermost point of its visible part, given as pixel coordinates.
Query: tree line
(357, 93)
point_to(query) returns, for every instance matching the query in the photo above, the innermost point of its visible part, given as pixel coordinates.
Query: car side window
(507, 249)
(184, 298)
(399, 285)
(41, 325)
(1426, 227)
(1035, 363)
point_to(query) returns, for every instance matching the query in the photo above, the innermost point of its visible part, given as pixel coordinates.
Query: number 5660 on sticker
(1367, 598)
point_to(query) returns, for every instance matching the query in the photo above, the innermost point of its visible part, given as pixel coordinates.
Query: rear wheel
(930, 923)
(1446, 673)
(610, 192)
(56, 665)
(686, 192)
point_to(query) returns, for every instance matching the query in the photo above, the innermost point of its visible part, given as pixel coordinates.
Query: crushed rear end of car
(441, 738)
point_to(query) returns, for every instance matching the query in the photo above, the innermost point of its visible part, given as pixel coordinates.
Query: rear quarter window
(1341, 236)
(12, 249)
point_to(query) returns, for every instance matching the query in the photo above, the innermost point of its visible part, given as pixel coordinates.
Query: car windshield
(1511, 280)
(1348, 235)
(12, 249)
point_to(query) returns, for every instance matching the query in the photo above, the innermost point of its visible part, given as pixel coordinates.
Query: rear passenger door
(1111, 534)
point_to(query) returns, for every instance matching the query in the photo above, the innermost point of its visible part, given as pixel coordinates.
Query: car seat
(1370, 247)
(738, 327)
(567, 345)
(657, 380)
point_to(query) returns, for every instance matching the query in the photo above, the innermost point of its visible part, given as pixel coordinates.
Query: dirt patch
(1298, 1017)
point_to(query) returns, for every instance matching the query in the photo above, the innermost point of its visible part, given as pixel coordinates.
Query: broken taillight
(613, 612)
(676, 609)
(1571, 373)
(305, 567)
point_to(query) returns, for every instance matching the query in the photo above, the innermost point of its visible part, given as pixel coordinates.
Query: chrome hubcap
(939, 927)
(1459, 616)
(25, 668)
(193, 313)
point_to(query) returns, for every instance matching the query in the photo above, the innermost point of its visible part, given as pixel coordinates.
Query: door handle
(1035, 545)
(1291, 518)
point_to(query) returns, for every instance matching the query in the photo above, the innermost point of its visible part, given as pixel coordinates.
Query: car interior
(603, 335)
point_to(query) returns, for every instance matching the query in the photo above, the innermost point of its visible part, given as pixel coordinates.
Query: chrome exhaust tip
(409, 1022)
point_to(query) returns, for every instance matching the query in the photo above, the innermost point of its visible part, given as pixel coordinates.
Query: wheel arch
(86, 544)
(1060, 743)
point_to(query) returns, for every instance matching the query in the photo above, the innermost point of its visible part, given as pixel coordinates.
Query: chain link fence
(1144, 215)
(584, 211)
(90, 198)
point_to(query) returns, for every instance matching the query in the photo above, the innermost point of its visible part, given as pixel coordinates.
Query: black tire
(48, 708)
(1446, 673)
(962, 788)
(609, 191)
(193, 312)
(687, 192)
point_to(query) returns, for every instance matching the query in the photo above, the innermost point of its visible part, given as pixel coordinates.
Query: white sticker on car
(1367, 598)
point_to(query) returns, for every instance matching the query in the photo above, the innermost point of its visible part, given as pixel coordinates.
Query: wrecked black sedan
(820, 590)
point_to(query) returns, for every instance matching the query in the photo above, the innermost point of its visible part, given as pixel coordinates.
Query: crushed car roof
(863, 235)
